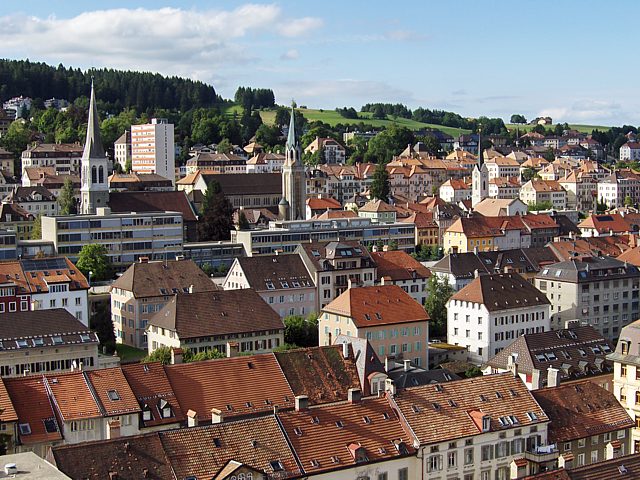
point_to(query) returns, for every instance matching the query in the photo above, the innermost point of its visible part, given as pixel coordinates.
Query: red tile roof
(113, 391)
(150, 384)
(319, 435)
(604, 223)
(397, 265)
(72, 396)
(375, 306)
(323, 204)
(247, 384)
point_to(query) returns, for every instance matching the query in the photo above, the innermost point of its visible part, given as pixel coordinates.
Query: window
(113, 395)
(594, 456)
(403, 474)
(451, 459)
(468, 456)
(487, 452)
(434, 463)
(580, 461)
(383, 476)
(582, 442)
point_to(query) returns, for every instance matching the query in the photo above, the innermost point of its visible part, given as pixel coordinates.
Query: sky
(571, 60)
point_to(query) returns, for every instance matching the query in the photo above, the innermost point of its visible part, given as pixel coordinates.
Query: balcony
(542, 454)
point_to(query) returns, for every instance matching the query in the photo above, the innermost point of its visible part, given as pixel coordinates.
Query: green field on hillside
(579, 128)
(331, 117)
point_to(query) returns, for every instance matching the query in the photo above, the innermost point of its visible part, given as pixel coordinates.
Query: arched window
(101, 174)
(241, 476)
(94, 174)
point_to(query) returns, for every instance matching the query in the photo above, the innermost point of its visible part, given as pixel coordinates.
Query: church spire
(93, 144)
(480, 157)
(291, 136)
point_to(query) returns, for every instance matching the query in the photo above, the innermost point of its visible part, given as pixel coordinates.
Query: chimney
(233, 349)
(302, 403)
(113, 475)
(407, 365)
(80, 365)
(143, 259)
(354, 395)
(387, 364)
(216, 416)
(476, 272)
(345, 350)
(390, 387)
(553, 377)
(566, 461)
(176, 356)
(535, 379)
(512, 364)
(192, 419)
(486, 423)
(113, 429)
(190, 288)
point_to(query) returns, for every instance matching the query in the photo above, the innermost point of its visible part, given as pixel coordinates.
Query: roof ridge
(94, 394)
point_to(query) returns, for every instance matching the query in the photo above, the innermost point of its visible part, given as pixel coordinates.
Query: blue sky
(572, 60)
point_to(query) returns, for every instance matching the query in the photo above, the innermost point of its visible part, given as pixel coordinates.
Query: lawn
(129, 354)
(580, 128)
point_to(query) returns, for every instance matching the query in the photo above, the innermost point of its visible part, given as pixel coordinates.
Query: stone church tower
(479, 177)
(95, 186)
(294, 186)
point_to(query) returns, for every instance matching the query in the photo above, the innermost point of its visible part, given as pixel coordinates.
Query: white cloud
(194, 43)
(404, 35)
(586, 111)
(292, 54)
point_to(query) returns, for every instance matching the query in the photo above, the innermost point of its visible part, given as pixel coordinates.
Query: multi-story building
(335, 266)
(468, 234)
(126, 236)
(544, 191)
(341, 182)
(620, 184)
(599, 291)
(42, 341)
(378, 211)
(145, 288)
(221, 163)
(582, 191)
(503, 167)
(64, 158)
(217, 254)
(152, 148)
(626, 377)
(401, 269)
(285, 236)
(586, 422)
(506, 188)
(454, 190)
(498, 207)
(545, 358)
(16, 219)
(122, 149)
(331, 150)
(210, 320)
(630, 152)
(119, 182)
(6, 157)
(393, 322)
(281, 280)
(265, 162)
(492, 311)
(35, 200)
(8, 245)
(476, 428)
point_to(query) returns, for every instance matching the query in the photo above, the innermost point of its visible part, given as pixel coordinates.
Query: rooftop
(275, 272)
(398, 265)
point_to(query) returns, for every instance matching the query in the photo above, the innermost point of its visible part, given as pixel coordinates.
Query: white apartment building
(63, 157)
(539, 191)
(126, 236)
(122, 149)
(454, 190)
(504, 167)
(493, 310)
(630, 151)
(621, 184)
(153, 149)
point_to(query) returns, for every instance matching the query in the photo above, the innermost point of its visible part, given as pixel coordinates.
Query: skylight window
(297, 431)
(25, 429)
(532, 416)
(270, 286)
(551, 356)
(339, 424)
(366, 420)
(113, 395)
(276, 465)
(22, 343)
(50, 425)
(38, 342)
(85, 338)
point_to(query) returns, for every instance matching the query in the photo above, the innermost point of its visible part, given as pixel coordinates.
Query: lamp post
(90, 273)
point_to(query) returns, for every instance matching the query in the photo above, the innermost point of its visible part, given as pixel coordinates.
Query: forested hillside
(116, 89)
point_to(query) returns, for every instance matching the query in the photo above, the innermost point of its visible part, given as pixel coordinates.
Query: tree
(100, 321)
(66, 200)
(517, 118)
(549, 155)
(189, 355)
(128, 165)
(528, 174)
(381, 187)
(36, 230)
(393, 245)
(439, 291)
(601, 206)
(431, 144)
(628, 201)
(243, 223)
(224, 146)
(217, 215)
(301, 331)
(544, 205)
(162, 355)
(93, 258)
(473, 372)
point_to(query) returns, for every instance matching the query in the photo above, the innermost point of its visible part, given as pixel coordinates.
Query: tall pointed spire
(291, 136)
(480, 157)
(93, 144)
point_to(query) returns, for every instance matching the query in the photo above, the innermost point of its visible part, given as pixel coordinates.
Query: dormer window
(165, 409)
(25, 429)
(85, 338)
(486, 423)
(532, 416)
(113, 395)
(22, 343)
(146, 413)
(57, 340)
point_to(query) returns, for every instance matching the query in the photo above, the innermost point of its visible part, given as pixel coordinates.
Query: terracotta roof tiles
(113, 391)
(398, 265)
(72, 396)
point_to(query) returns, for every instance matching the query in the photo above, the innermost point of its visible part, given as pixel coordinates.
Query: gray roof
(93, 144)
(280, 272)
(589, 269)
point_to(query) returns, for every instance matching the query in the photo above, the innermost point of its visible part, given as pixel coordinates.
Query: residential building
(43, 341)
(564, 355)
(44, 177)
(209, 163)
(536, 192)
(496, 207)
(401, 269)
(126, 236)
(493, 310)
(606, 225)
(626, 377)
(218, 254)
(599, 291)
(503, 167)
(475, 428)
(6, 157)
(586, 422)
(281, 280)
(504, 188)
(94, 165)
(122, 150)
(119, 182)
(378, 211)
(210, 320)
(152, 148)
(145, 288)
(342, 182)
(265, 162)
(8, 247)
(63, 158)
(35, 200)
(467, 234)
(335, 266)
(393, 322)
(427, 230)
(454, 190)
(630, 152)
(16, 219)
(319, 205)
(620, 184)
(331, 150)
(582, 191)
(285, 236)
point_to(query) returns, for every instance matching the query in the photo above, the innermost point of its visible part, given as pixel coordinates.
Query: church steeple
(94, 164)
(479, 176)
(291, 136)
(294, 186)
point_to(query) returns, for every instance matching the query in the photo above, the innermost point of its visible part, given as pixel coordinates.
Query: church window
(94, 174)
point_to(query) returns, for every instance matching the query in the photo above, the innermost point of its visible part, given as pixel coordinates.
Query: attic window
(50, 425)
(532, 416)
(378, 316)
(436, 406)
(382, 450)
(582, 352)
(295, 284)
(113, 395)
(415, 408)
(366, 420)
(335, 459)
(85, 338)
(483, 398)
(216, 442)
(314, 463)
(513, 419)
(25, 429)
(229, 407)
(498, 395)
(165, 408)
(452, 403)
(249, 404)
(541, 358)
(339, 424)
(38, 342)
(185, 289)
(267, 402)
(385, 415)
(438, 387)
(367, 316)
(315, 420)
(551, 357)
(284, 284)
(315, 253)
(606, 348)
(513, 392)
(270, 286)
(22, 343)
(276, 465)
(164, 291)
(146, 413)
(297, 431)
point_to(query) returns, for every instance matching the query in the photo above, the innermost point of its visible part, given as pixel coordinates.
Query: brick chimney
(354, 395)
(216, 416)
(113, 429)
(233, 349)
(176, 356)
(192, 419)
(302, 403)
